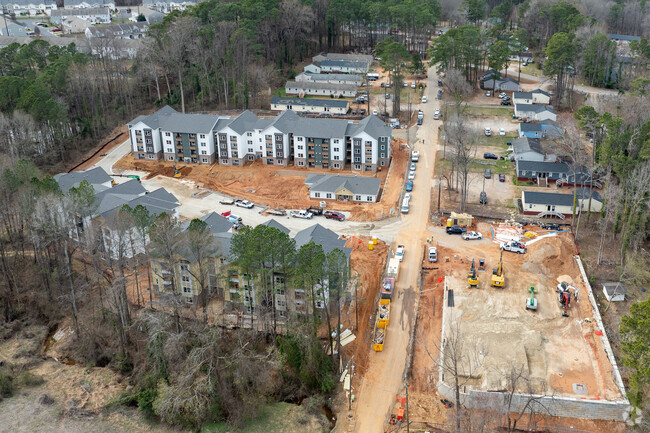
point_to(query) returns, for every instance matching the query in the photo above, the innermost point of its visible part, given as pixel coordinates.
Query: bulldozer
(498, 278)
(472, 277)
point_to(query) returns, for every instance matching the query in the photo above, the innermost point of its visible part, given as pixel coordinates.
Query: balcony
(140, 149)
(311, 152)
(179, 138)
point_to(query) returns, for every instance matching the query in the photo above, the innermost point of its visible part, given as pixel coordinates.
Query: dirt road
(385, 375)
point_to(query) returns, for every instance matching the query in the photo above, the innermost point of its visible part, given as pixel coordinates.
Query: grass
(478, 165)
(276, 418)
(498, 141)
(532, 69)
(488, 111)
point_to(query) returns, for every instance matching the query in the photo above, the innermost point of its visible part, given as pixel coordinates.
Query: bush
(27, 378)
(7, 385)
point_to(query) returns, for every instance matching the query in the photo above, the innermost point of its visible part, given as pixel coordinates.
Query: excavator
(177, 172)
(472, 277)
(564, 296)
(498, 278)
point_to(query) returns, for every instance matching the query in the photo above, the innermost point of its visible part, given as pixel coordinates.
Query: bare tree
(463, 145)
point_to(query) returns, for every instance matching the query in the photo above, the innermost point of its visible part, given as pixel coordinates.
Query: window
(317, 194)
(299, 138)
(203, 144)
(269, 161)
(170, 157)
(201, 135)
(337, 165)
(187, 290)
(204, 152)
(170, 150)
(300, 163)
(168, 134)
(301, 147)
(369, 198)
(249, 134)
(329, 195)
(336, 157)
(282, 314)
(224, 161)
(281, 303)
(250, 142)
(204, 159)
(301, 155)
(150, 156)
(357, 197)
(382, 163)
(336, 141)
(337, 149)
(189, 300)
(184, 267)
(169, 142)
(382, 147)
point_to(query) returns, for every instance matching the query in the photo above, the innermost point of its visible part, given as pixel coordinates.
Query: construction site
(541, 326)
(279, 187)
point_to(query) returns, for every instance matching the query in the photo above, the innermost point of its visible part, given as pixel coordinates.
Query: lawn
(497, 141)
(532, 69)
(488, 111)
(278, 418)
(478, 165)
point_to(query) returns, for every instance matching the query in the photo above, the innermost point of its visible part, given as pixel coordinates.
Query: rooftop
(354, 184)
(308, 85)
(82, 11)
(525, 144)
(321, 236)
(535, 108)
(94, 176)
(306, 102)
(557, 199)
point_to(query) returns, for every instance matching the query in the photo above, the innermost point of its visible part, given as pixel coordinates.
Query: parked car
(415, 156)
(552, 226)
(456, 230)
(506, 103)
(407, 196)
(420, 122)
(409, 185)
(412, 166)
(482, 198)
(278, 212)
(424, 99)
(436, 115)
(490, 156)
(439, 83)
(472, 235)
(439, 93)
(488, 131)
(362, 111)
(315, 210)
(411, 175)
(374, 112)
(514, 246)
(502, 131)
(502, 177)
(420, 114)
(399, 252)
(413, 85)
(433, 254)
(244, 203)
(488, 173)
(488, 93)
(406, 84)
(227, 201)
(387, 95)
(236, 226)
(506, 98)
(334, 215)
(301, 214)
(502, 95)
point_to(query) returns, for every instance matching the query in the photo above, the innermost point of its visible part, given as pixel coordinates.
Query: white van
(405, 205)
(433, 254)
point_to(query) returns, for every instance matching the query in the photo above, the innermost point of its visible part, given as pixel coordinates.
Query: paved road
(384, 377)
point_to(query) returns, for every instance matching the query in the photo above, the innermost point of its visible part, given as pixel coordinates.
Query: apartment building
(283, 140)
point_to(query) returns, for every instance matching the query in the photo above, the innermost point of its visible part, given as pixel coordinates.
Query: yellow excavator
(177, 172)
(498, 278)
(472, 277)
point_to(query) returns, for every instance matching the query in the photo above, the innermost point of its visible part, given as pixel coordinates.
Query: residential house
(522, 57)
(307, 142)
(625, 38)
(544, 173)
(312, 106)
(551, 128)
(88, 4)
(13, 29)
(551, 203)
(136, 30)
(522, 98)
(535, 112)
(541, 97)
(530, 149)
(111, 48)
(614, 292)
(96, 177)
(330, 78)
(313, 68)
(27, 7)
(502, 85)
(303, 88)
(343, 66)
(545, 128)
(363, 58)
(101, 15)
(343, 188)
(166, 6)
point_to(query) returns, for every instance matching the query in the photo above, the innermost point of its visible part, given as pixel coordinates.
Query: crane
(498, 278)
(472, 277)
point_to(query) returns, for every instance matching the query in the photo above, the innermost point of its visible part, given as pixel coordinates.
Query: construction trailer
(459, 219)
(387, 289)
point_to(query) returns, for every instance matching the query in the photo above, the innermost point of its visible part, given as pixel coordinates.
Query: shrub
(27, 378)
(7, 385)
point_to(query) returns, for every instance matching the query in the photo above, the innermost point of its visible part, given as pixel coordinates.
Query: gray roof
(277, 225)
(557, 199)
(522, 95)
(286, 121)
(162, 194)
(321, 128)
(216, 223)
(14, 30)
(246, 121)
(327, 77)
(542, 92)
(28, 2)
(313, 178)
(131, 188)
(542, 166)
(188, 123)
(509, 80)
(619, 288)
(530, 127)
(371, 125)
(340, 56)
(343, 64)
(155, 120)
(308, 85)
(67, 3)
(618, 37)
(119, 29)
(154, 205)
(80, 12)
(354, 184)
(94, 176)
(155, 17)
(535, 108)
(305, 102)
(525, 144)
(321, 236)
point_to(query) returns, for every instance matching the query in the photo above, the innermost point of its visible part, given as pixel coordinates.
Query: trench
(48, 340)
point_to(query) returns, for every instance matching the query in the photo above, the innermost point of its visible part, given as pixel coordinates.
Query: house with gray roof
(322, 236)
(530, 149)
(530, 130)
(502, 85)
(273, 223)
(330, 78)
(559, 204)
(302, 88)
(615, 291)
(97, 15)
(344, 188)
(532, 112)
(136, 30)
(311, 106)
(28, 7)
(362, 58)
(13, 29)
(541, 172)
(343, 66)
(96, 177)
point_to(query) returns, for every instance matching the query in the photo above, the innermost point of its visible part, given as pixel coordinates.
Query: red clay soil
(279, 187)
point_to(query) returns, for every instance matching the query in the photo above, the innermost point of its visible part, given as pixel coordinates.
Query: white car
(514, 246)
(415, 156)
(433, 254)
(301, 214)
(399, 253)
(411, 175)
(244, 203)
(488, 132)
(502, 131)
(502, 95)
(374, 112)
(412, 85)
(424, 99)
(488, 93)
(406, 84)
(413, 166)
(407, 196)
(472, 235)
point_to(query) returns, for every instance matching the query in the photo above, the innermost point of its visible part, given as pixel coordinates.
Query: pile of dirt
(282, 187)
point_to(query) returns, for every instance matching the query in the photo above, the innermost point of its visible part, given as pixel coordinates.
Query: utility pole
(439, 187)
(406, 383)
(408, 120)
(4, 15)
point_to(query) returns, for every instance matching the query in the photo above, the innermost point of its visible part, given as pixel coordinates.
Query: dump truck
(378, 338)
(387, 289)
(459, 219)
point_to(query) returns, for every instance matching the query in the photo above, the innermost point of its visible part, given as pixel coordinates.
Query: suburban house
(312, 106)
(119, 31)
(502, 85)
(530, 149)
(166, 6)
(343, 188)
(541, 97)
(623, 38)
(545, 128)
(100, 15)
(13, 29)
(614, 292)
(86, 4)
(535, 112)
(28, 7)
(544, 173)
(363, 58)
(303, 88)
(521, 57)
(556, 204)
(286, 138)
(330, 78)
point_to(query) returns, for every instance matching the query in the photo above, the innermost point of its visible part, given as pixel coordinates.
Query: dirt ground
(558, 351)
(106, 145)
(279, 187)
